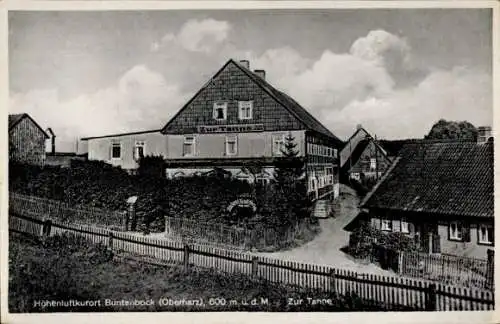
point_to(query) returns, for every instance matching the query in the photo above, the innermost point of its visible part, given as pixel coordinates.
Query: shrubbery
(203, 198)
(365, 238)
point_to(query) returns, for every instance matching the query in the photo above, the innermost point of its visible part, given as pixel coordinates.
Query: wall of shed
(27, 143)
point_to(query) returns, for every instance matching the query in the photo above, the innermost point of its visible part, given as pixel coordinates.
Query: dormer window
(245, 109)
(220, 111)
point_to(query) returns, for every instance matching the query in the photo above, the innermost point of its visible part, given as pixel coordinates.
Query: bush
(365, 238)
(152, 166)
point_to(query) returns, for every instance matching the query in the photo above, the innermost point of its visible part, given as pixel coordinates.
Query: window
(245, 109)
(386, 224)
(220, 111)
(188, 147)
(231, 145)
(278, 144)
(485, 234)
(139, 150)
(373, 164)
(404, 226)
(116, 150)
(329, 175)
(456, 231)
(355, 175)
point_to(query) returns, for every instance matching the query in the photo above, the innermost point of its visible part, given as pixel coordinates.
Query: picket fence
(34, 206)
(453, 270)
(391, 293)
(193, 231)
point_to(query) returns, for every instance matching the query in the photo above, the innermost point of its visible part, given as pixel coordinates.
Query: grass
(65, 269)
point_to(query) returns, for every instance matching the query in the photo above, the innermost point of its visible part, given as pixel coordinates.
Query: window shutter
(466, 232)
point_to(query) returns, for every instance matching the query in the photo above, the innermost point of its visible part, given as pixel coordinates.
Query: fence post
(255, 267)
(46, 228)
(126, 222)
(186, 257)
(490, 266)
(430, 298)
(110, 240)
(332, 281)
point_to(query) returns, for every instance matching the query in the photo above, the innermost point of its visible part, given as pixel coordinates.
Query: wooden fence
(454, 270)
(192, 231)
(57, 210)
(391, 293)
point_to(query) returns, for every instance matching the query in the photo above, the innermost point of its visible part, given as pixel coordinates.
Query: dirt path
(325, 248)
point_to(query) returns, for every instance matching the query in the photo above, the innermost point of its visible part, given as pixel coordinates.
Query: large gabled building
(238, 119)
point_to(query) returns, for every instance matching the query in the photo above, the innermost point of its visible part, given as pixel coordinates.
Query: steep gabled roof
(15, 119)
(358, 151)
(309, 121)
(451, 178)
(290, 104)
(351, 146)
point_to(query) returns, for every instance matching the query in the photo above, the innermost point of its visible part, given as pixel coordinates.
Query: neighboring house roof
(358, 152)
(15, 119)
(122, 134)
(394, 146)
(450, 178)
(308, 120)
(352, 150)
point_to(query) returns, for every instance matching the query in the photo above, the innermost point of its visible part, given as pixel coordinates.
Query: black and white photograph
(257, 159)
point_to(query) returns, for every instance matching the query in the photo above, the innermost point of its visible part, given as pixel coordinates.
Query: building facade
(237, 119)
(27, 140)
(124, 150)
(440, 193)
(363, 159)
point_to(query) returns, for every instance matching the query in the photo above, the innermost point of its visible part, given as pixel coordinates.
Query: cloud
(374, 84)
(140, 99)
(369, 85)
(457, 94)
(196, 36)
(383, 48)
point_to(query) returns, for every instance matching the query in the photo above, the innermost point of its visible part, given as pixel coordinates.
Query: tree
(290, 167)
(291, 191)
(444, 129)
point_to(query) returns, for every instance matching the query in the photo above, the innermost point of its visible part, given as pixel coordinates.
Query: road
(325, 248)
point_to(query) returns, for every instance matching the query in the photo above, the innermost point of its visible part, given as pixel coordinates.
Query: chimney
(53, 144)
(52, 140)
(245, 63)
(358, 126)
(483, 134)
(260, 73)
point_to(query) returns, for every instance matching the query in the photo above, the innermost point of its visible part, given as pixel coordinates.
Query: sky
(396, 72)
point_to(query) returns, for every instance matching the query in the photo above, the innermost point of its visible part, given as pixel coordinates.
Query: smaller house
(26, 140)
(363, 158)
(125, 149)
(440, 193)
